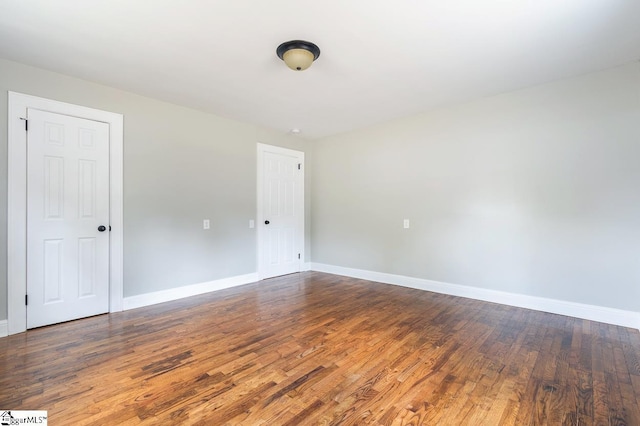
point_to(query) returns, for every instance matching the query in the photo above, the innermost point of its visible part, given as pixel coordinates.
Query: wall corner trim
(578, 310)
(4, 329)
(140, 300)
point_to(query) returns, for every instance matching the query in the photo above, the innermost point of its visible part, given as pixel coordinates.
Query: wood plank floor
(315, 348)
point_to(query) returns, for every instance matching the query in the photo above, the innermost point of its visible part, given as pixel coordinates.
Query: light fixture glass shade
(298, 54)
(298, 59)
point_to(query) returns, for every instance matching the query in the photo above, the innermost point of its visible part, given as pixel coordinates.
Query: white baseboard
(147, 299)
(306, 266)
(4, 328)
(572, 309)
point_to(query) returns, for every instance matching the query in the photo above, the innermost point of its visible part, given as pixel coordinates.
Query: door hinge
(298, 255)
(299, 166)
(26, 299)
(26, 124)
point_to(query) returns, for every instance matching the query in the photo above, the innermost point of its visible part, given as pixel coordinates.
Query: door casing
(17, 201)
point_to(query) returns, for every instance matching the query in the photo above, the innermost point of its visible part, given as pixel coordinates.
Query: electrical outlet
(206, 224)
(252, 223)
(406, 224)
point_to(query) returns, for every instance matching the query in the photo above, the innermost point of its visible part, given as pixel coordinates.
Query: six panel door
(67, 204)
(283, 209)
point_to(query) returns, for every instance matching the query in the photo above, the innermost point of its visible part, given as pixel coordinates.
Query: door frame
(261, 149)
(17, 201)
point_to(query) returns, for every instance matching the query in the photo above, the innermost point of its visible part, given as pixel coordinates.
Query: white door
(280, 211)
(67, 204)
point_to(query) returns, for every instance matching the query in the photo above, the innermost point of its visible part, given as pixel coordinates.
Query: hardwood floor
(314, 348)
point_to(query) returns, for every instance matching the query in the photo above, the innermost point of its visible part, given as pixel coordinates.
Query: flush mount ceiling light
(298, 54)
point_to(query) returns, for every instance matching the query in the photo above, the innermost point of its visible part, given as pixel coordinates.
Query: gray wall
(180, 166)
(533, 192)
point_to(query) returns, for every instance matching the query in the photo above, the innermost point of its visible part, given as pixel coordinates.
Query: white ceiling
(380, 59)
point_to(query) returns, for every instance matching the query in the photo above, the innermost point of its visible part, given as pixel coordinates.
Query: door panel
(53, 188)
(53, 268)
(67, 200)
(87, 267)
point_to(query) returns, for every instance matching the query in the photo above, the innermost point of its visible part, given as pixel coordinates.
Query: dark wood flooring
(314, 348)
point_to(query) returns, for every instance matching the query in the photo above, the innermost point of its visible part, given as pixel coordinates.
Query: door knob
(266, 222)
(102, 228)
